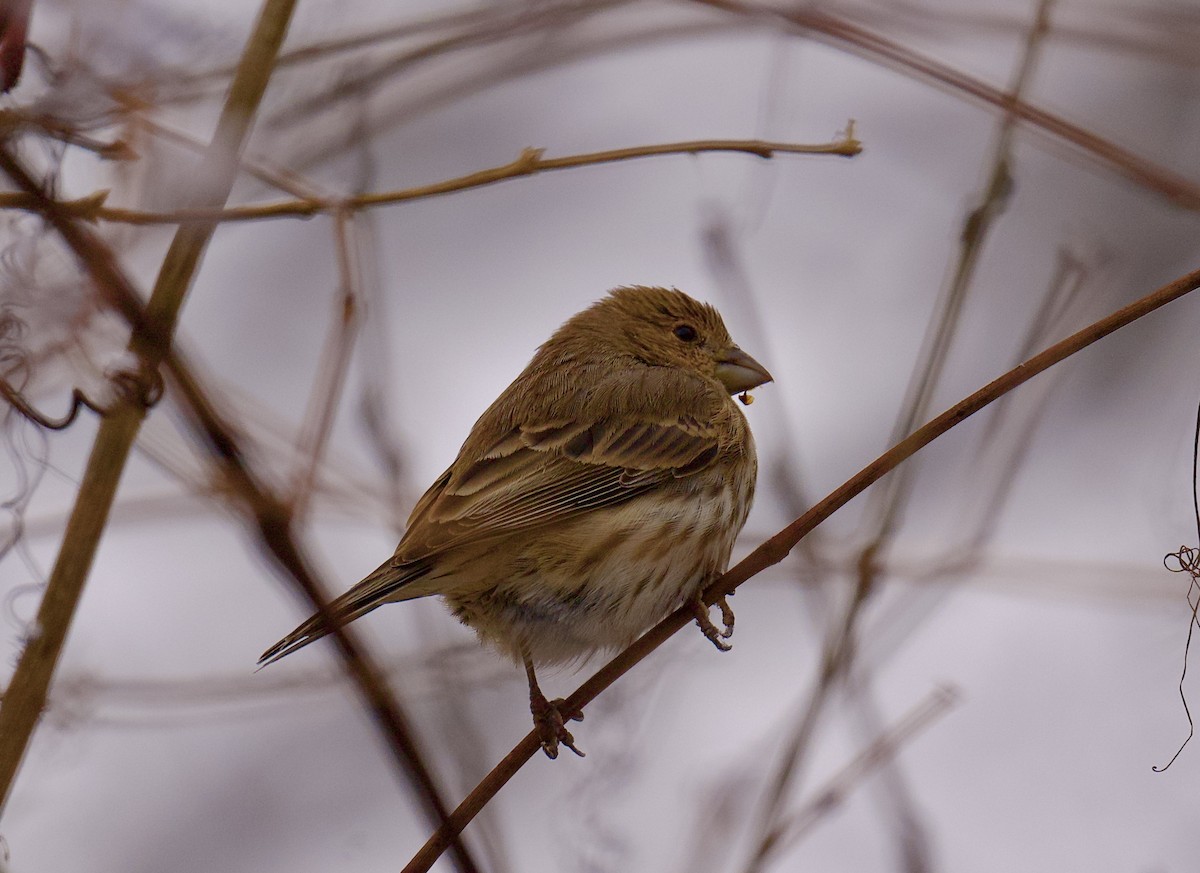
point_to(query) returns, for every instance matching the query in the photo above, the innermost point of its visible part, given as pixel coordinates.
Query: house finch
(603, 489)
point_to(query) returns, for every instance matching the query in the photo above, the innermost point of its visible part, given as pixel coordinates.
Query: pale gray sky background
(163, 750)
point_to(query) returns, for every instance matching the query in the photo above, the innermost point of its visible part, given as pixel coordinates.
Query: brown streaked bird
(602, 490)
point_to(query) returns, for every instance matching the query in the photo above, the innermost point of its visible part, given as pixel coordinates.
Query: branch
(777, 547)
(529, 163)
(796, 825)
(25, 696)
(864, 43)
(271, 516)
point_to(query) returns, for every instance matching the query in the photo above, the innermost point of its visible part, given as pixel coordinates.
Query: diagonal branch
(269, 514)
(867, 44)
(777, 547)
(151, 343)
(794, 826)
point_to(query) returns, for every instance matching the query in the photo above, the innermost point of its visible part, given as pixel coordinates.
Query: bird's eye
(687, 333)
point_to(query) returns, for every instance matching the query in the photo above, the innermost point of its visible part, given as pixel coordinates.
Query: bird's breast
(599, 581)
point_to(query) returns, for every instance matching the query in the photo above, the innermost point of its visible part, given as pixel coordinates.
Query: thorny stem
(150, 343)
(779, 546)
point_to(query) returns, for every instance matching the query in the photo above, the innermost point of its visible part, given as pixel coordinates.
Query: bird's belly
(599, 584)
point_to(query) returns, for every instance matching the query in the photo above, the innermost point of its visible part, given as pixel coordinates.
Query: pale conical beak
(739, 372)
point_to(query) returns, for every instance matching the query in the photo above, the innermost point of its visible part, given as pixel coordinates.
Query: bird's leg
(726, 617)
(716, 637)
(548, 716)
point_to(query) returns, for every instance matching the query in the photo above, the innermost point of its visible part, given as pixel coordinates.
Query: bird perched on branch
(602, 490)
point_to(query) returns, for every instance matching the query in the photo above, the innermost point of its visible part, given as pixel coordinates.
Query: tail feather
(388, 584)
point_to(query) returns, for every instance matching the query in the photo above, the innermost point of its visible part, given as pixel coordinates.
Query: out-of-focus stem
(150, 343)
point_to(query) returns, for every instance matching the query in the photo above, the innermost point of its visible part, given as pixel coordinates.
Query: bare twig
(332, 367)
(284, 179)
(793, 827)
(866, 44)
(777, 547)
(363, 79)
(530, 163)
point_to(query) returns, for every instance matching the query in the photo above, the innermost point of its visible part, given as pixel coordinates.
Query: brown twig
(529, 163)
(777, 547)
(271, 516)
(332, 369)
(793, 826)
(369, 76)
(151, 342)
(283, 179)
(867, 44)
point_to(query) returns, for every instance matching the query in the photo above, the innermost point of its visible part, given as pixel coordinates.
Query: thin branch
(972, 238)
(889, 502)
(871, 46)
(368, 77)
(795, 826)
(470, 27)
(507, 64)
(333, 367)
(779, 546)
(284, 179)
(270, 515)
(529, 163)
(25, 697)
(1120, 30)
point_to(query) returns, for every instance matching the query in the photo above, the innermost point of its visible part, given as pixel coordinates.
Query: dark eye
(687, 333)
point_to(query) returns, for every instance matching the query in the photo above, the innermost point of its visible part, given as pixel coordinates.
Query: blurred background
(1004, 664)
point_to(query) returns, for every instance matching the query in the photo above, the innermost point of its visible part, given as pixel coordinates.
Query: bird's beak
(739, 372)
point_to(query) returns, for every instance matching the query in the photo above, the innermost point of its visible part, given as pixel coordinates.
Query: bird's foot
(549, 717)
(716, 637)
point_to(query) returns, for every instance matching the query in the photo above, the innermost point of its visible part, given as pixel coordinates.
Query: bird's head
(664, 327)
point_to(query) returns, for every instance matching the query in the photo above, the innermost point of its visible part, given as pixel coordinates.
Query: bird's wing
(541, 473)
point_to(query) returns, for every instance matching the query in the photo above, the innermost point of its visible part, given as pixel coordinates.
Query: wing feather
(541, 472)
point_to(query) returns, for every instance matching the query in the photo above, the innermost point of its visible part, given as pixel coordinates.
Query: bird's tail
(388, 584)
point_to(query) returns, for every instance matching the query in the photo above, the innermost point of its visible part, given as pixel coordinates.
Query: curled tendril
(1183, 561)
(137, 387)
(1187, 560)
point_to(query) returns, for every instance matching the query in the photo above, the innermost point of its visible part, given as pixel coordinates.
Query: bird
(602, 490)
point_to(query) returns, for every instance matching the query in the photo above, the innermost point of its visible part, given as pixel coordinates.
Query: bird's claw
(716, 637)
(549, 719)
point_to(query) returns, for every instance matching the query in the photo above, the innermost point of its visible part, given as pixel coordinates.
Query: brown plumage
(601, 490)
